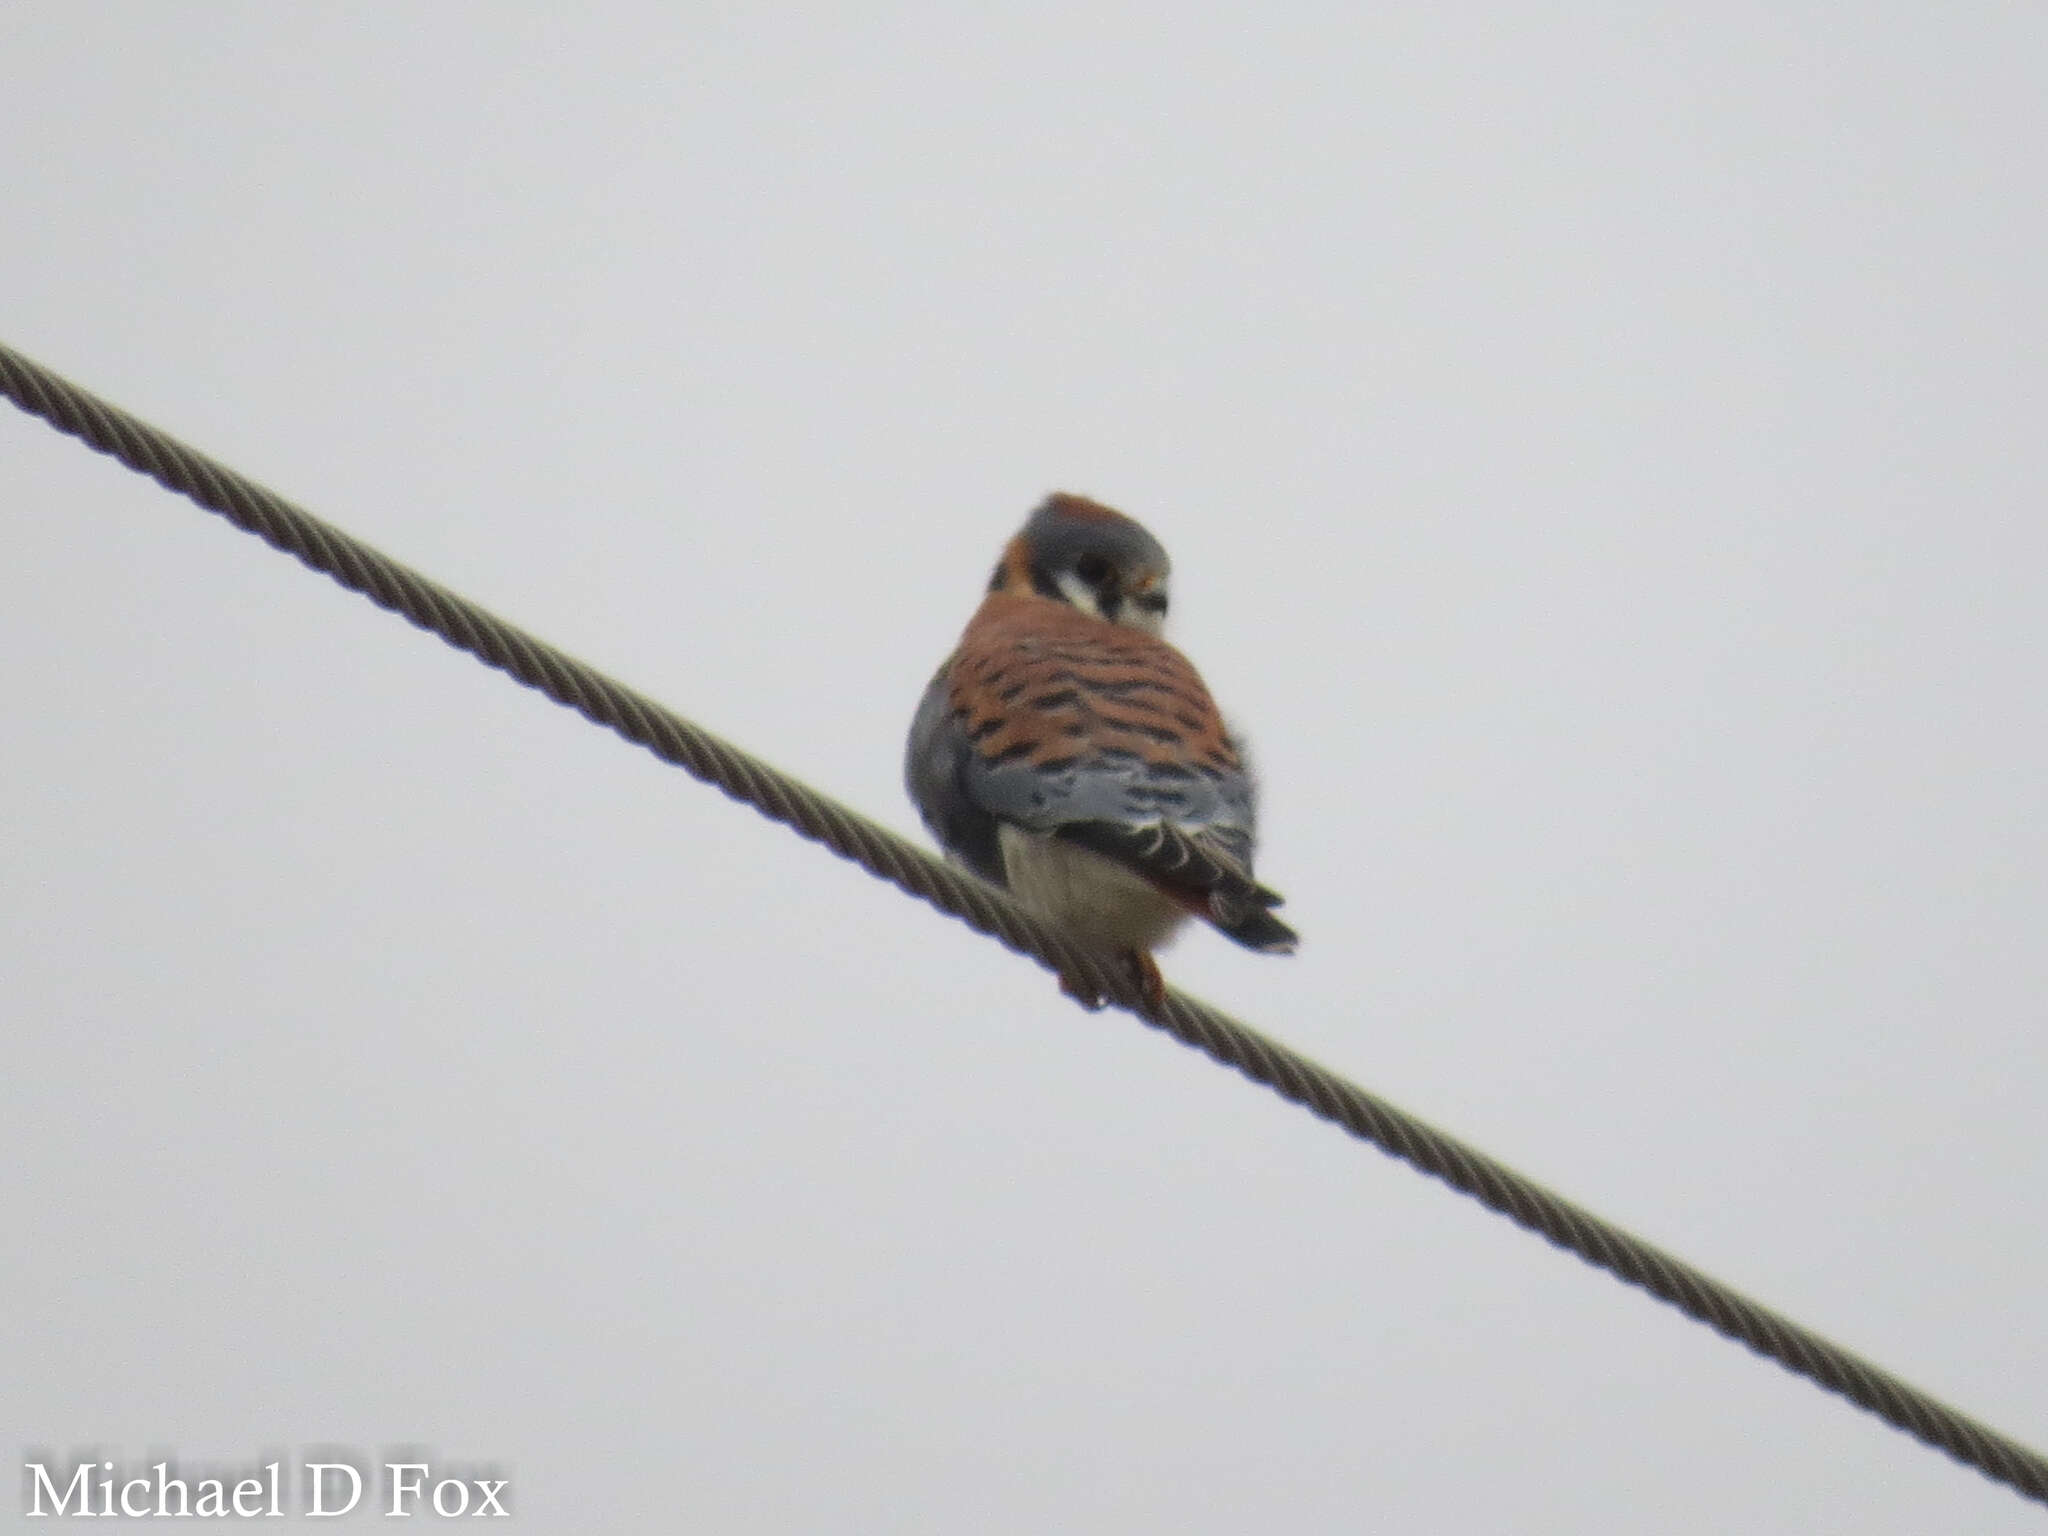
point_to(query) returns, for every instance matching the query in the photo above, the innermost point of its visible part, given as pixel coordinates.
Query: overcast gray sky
(1601, 449)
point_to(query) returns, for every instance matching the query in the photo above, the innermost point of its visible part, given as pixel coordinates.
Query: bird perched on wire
(1066, 752)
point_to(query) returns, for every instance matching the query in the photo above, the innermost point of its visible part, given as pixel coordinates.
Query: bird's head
(1079, 552)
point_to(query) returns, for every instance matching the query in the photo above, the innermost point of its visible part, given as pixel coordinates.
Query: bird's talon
(1082, 993)
(1151, 984)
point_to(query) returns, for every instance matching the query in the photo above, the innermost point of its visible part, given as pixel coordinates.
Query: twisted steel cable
(1293, 1076)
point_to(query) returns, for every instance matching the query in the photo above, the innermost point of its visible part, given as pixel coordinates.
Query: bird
(1069, 754)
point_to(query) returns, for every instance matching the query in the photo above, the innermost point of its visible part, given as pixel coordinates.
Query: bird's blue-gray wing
(936, 767)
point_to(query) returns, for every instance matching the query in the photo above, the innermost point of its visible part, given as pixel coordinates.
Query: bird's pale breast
(1085, 893)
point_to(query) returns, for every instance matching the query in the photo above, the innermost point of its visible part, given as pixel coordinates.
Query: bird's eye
(1092, 569)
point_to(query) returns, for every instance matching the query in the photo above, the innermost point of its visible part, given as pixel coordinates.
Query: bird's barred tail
(1241, 910)
(1262, 931)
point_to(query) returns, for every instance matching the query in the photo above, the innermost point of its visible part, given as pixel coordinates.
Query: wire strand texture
(496, 643)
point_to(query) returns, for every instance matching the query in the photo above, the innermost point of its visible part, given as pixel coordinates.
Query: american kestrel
(1066, 752)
